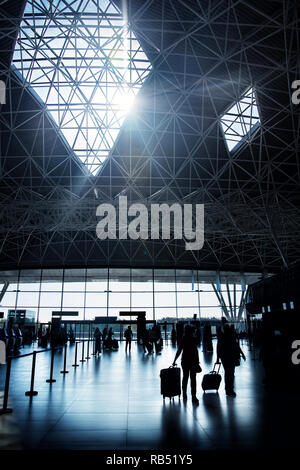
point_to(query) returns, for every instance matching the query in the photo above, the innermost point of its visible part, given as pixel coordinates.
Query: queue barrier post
(65, 371)
(75, 361)
(51, 379)
(32, 392)
(82, 359)
(88, 350)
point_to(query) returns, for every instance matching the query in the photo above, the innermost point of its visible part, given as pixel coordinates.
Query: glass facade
(100, 292)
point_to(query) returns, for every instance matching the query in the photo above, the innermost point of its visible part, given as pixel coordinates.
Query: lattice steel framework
(84, 62)
(241, 120)
(204, 55)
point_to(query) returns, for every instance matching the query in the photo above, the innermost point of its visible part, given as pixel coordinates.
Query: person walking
(189, 362)
(229, 353)
(128, 337)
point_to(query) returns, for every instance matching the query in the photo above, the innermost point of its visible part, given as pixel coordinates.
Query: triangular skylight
(86, 65)
(240, 121)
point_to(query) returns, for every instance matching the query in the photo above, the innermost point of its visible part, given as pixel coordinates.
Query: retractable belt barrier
(32, 392)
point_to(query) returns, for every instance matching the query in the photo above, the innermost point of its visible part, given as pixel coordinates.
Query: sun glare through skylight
(86, 65)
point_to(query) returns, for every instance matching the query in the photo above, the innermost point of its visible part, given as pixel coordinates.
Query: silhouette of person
(71, 336)
(104, 334)
(173, 336)
(189, 362)
(229, 352)
(128, 337)
(110, 338)
(157, 339)
(97, 337)
(146, 344)
(152, 338)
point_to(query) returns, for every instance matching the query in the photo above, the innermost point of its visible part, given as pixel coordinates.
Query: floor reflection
(114, 402)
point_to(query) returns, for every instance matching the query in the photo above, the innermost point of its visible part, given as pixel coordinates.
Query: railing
(32, 392)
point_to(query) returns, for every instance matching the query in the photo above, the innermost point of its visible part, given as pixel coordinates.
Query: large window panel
(29, 280)
(91, 313)
(96, 286)
(51, 299)
(73, 299)
(96, 281)
(211, 312)
(121, 300)
(74, 280)
(165, 312)
(165, 299)
(96, 300)
(119, 280)
(188, 312)
(52, 280)
(28, 299)
(45, 315)
(186, 279)
(9, 299)
(77, 309)
(142, 280)
(164, 280)
(142, 299)
(148, 310)
(187, 299)
(115, 311)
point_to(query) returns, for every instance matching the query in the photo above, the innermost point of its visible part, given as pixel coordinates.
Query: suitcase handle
(216, 364)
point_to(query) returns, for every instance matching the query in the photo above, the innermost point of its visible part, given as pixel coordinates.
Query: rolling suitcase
(170, 385)
(212, 380)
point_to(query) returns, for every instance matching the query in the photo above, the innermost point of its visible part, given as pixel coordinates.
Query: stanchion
(31, 392)
(65, 371)
(75, 363)
(6, 410)
(94, 348)
(51, 380)
(82, 359)
(88, 350)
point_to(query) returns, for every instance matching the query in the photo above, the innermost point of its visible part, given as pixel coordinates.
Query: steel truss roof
(204, 56)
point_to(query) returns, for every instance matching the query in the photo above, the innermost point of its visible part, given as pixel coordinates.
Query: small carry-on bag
(170, 385)
(212, 380)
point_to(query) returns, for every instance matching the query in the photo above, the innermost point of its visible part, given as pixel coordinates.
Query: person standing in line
(97, 337)
(229, 353)
(152, 338)
(189, 362)
(146, 343)
(128, 337)
(173, 336)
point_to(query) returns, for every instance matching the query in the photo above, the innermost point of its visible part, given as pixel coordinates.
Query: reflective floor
(114, 402)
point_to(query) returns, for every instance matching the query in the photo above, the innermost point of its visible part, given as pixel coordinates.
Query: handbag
(196, 368)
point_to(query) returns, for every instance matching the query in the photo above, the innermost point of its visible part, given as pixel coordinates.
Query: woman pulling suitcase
(189, 362)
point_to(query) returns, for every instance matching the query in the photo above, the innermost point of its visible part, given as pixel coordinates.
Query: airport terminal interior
(149, 235)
